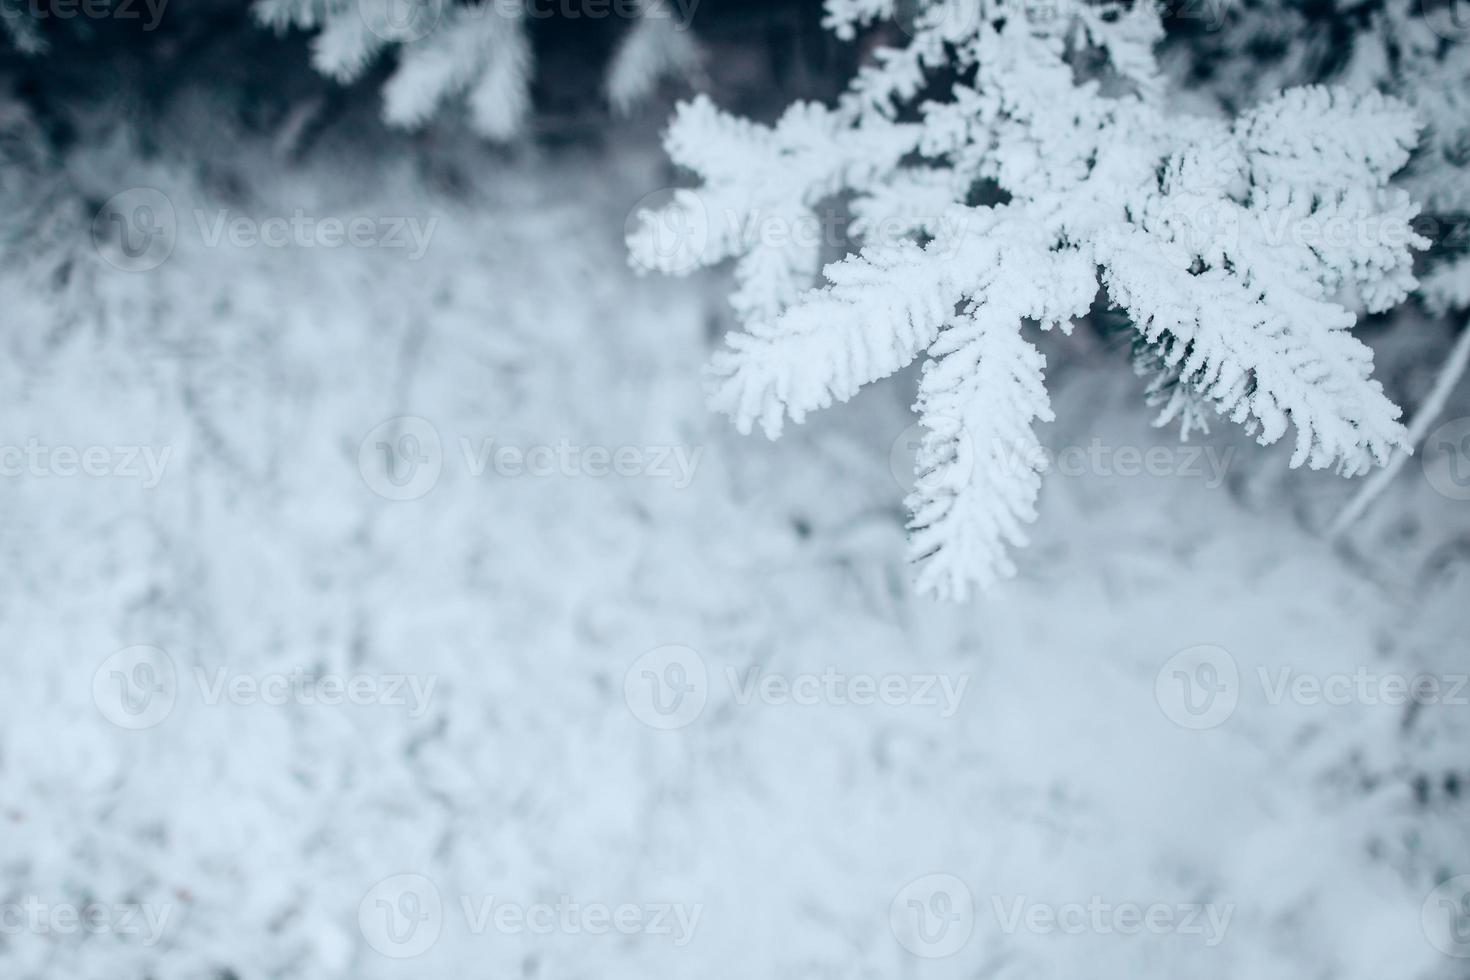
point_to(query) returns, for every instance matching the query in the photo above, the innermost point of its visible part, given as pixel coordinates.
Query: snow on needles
(1239, 248)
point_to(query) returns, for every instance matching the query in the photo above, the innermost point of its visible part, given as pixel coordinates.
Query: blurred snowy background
(396, 608)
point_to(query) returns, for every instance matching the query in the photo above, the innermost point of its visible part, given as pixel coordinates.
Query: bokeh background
(306, 681)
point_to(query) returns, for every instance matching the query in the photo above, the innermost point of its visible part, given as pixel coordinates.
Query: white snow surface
(260, 831)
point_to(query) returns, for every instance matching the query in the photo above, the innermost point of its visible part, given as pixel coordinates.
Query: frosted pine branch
(656, 48)
(1240, 249)
(475, 51)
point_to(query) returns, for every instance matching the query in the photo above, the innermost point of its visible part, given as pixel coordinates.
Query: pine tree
(1412, 51)
(1220, 238)
(478, 51)
(655, 49)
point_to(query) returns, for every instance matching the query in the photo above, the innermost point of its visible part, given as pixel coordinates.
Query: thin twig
(1454, 367)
